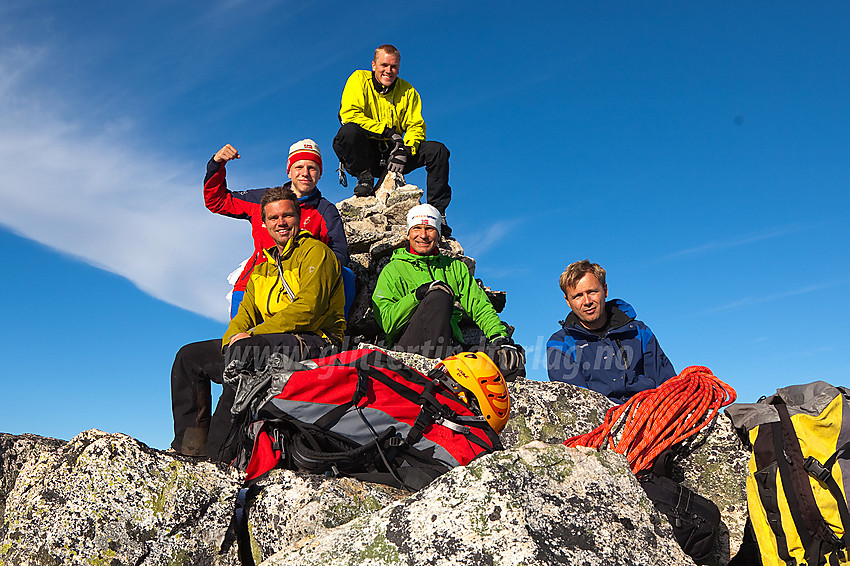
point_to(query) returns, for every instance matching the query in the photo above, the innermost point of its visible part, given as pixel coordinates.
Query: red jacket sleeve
(218, 198)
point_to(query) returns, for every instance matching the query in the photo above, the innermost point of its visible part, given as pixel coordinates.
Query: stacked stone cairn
(375, 226)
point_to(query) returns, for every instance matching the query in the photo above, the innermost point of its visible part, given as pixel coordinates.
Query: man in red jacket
(318, 215)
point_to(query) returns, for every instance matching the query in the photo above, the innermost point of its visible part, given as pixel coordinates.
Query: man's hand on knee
(239, 336)
(510, 357)
(438, 285)
(398, 159)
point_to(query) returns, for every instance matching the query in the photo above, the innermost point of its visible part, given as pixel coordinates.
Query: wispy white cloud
(750, 301)
(479, 243)
(96, 193)
(741, 240)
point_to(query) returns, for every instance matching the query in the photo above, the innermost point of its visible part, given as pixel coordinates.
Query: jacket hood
(404, 254)
(620, 312)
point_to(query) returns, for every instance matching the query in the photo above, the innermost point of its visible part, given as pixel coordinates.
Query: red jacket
(318, 216)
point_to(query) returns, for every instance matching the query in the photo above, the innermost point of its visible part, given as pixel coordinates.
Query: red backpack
(359, 413)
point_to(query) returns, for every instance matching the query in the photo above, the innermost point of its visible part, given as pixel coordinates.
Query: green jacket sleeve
(393, 301)
(318, 275)
(475, 302)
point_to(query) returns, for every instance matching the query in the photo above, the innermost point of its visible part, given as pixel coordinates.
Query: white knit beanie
(424, 214)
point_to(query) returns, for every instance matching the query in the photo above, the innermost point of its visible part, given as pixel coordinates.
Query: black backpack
(695, 519)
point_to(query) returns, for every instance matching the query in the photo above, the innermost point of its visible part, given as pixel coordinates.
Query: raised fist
(226, 153)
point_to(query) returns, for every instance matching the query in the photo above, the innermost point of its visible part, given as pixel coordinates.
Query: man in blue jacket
(601, 344)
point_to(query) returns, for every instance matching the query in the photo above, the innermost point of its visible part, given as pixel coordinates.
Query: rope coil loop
(654, 420)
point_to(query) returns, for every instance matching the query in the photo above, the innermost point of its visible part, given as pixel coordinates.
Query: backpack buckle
(277, 443)
(453, 426)
(333, 472)
(816, 469)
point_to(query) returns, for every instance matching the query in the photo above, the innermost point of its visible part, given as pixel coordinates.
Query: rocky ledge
(109, 499)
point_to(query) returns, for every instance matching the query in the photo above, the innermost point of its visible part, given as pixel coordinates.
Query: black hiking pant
(197, 432)
(360, 151)
(429, 332)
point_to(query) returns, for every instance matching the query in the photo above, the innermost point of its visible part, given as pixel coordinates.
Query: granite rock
(537, 504)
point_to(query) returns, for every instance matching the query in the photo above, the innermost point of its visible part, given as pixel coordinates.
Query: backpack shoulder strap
(817, 537)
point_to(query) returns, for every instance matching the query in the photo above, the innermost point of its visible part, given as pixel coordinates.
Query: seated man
(318, 215)
(602, 345)
(381, 117)
(414, 299)
(293, 304)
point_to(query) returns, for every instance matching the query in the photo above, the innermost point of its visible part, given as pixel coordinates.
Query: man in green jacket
(293, 305)
(416, 297)
(381, 117)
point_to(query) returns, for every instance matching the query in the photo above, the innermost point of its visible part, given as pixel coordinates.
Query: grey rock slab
(551, 412)
(109, 499)
(535, 505)
(290, 506)
(15, 452)
(715, 465)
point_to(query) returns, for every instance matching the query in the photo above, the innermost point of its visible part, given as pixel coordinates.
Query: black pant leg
(256, 351)
(219, 427)
(429, 332)
(356, 150)
(434, 156)
(195, 365)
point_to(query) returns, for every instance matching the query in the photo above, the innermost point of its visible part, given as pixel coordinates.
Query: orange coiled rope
(656, 419)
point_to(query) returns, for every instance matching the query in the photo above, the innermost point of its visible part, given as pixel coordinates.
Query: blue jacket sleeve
(337, 241)
(656, 366)
(560, 361)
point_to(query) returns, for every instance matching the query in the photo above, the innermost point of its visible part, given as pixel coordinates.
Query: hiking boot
(445, 230)
(365, 185)
(194, 442)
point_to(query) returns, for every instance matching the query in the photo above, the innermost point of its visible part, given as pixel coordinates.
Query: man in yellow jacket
(382, 123)
(293, 305)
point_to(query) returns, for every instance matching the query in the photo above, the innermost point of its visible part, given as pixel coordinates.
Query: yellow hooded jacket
(299, 290)
(400, 108)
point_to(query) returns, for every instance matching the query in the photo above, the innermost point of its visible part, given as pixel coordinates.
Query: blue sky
(698, 151)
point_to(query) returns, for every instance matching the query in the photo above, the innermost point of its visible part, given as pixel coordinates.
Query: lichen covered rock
(551, 412)
(289, 506)
(109, 499)
(535, 505)
(15, 452)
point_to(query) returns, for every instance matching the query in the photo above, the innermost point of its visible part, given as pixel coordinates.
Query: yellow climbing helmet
(475, 373)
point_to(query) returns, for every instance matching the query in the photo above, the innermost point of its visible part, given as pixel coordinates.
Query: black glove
(438, 285)
(398, 157)
(509, 357)
(396, 140)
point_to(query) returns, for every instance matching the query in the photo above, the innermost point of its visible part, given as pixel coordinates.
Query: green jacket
(311, 272)
(394, 299)
(400, 108)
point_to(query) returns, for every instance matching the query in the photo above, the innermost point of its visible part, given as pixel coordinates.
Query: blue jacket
(625, 361)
